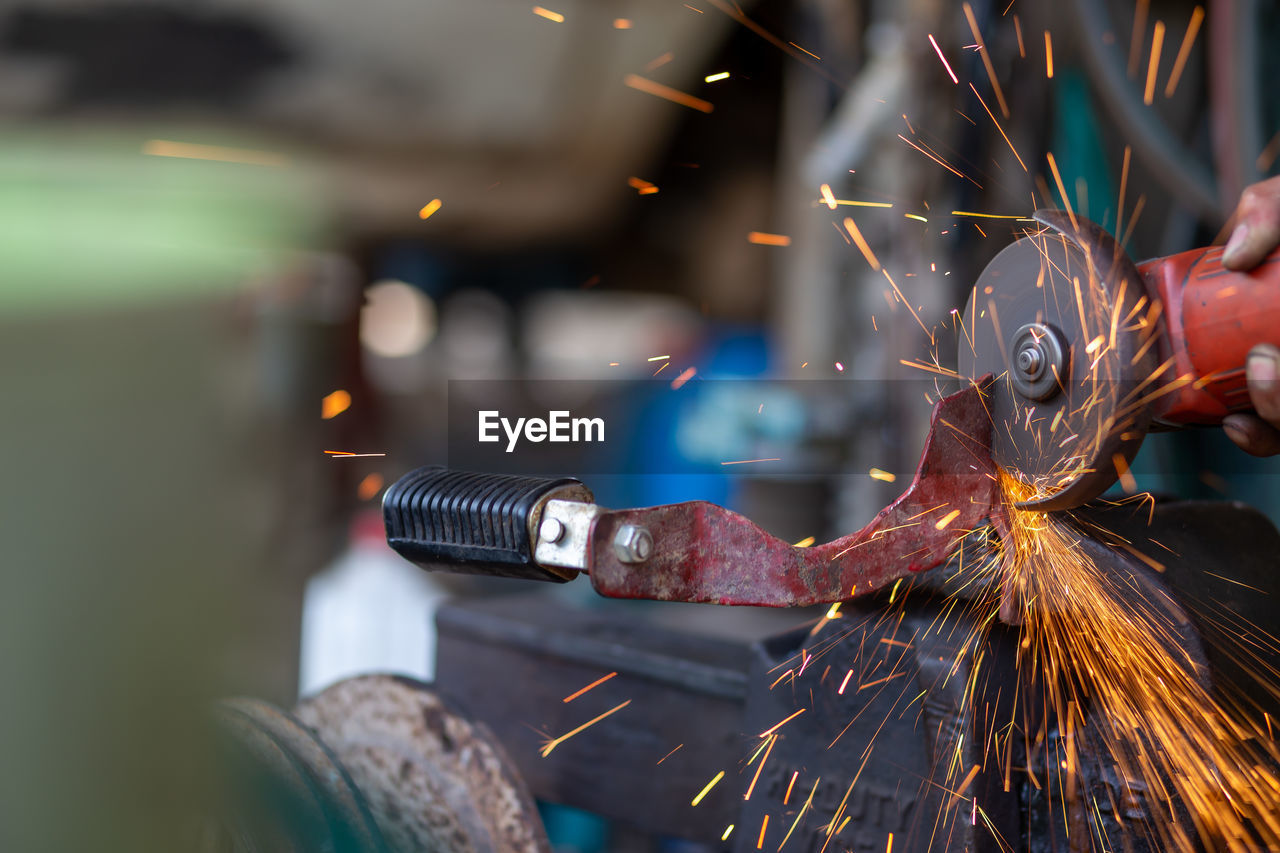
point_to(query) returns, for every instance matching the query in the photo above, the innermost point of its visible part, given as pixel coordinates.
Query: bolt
(551, 530)
(1030, 361)
(632, 544)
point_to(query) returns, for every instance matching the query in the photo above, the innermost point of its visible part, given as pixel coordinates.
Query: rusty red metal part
(705, 553)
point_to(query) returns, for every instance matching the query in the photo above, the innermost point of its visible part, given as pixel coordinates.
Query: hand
(1256, 234)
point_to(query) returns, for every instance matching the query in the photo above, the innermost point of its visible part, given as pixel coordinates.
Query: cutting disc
(1062, 320)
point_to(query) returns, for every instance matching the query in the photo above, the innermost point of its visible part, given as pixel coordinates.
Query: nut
(632, 544)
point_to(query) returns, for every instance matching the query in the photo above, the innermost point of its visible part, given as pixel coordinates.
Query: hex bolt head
(632, 544)
(551, 529)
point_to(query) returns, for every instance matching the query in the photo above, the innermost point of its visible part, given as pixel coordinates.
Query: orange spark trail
(334, 404)
(759, 767)
(1197, 16)
(194, 151)
(548, 14)
(851, 203)
(894, 285)
(552, 744)
(764, 238)
(749, 461)
(643, 84)
(369, 486)
(430, 208)
(945, 64)
(707, 789)
(852, 228)
(590, 686)
(734, 12)
(1066, 200)
(1135, 40)
(1153, 66)
(1017, 28)
(799, 48)
(941, 162)
(986, 61)
(1048, 56)
(997, 124)
(781, 723)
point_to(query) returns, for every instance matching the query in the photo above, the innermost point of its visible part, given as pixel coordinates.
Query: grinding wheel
(1062, 320)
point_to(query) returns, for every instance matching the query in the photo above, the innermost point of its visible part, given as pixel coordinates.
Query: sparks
(685, 376)
(552, 744)
(194, 151)
(1153, 66)
(852, 228)
(764, 238)
(946, 520)
(548, 14)
(828, 196)
(802, 50)
(945, 64)
(590, 686)
(999, 128)
(712, 78)
(781, 723)
(334, 404)
(643, 84)
(854, 203)
(1193, 27)
(1048, 56)
(986, 61)
(369, 486)
(749, 461)
(884, 476)
(429, 208)
(703, 793)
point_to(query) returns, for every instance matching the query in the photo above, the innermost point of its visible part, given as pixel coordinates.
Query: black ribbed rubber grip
(456, 521)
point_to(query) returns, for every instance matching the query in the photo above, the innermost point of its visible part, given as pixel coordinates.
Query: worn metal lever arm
(703, 552)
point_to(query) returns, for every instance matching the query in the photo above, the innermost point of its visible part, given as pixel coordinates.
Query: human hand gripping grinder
(1072, 352)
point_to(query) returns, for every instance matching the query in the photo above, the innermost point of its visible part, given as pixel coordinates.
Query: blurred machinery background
(218, 215)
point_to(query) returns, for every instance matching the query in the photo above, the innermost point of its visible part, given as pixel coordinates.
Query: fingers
(1264, 388)
(1252, 434)
(1259, 434)
(1258, 226)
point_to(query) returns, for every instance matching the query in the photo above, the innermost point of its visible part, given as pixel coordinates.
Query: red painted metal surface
(1213, 317)
(705, 553)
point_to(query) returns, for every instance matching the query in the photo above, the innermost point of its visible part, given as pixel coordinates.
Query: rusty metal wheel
(434, 780)
(373, 764)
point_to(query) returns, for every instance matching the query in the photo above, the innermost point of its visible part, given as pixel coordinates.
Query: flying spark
(764, 238)
(553, 743)
(194, 151)
(703, 793)
(548, 14)
(945, 64)
(1193, 27)
(590, 686)
(643, 84)
(334, 404)
(430, 208)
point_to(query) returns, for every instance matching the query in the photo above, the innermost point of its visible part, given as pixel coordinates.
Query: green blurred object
(90, 219)
(136, 482)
